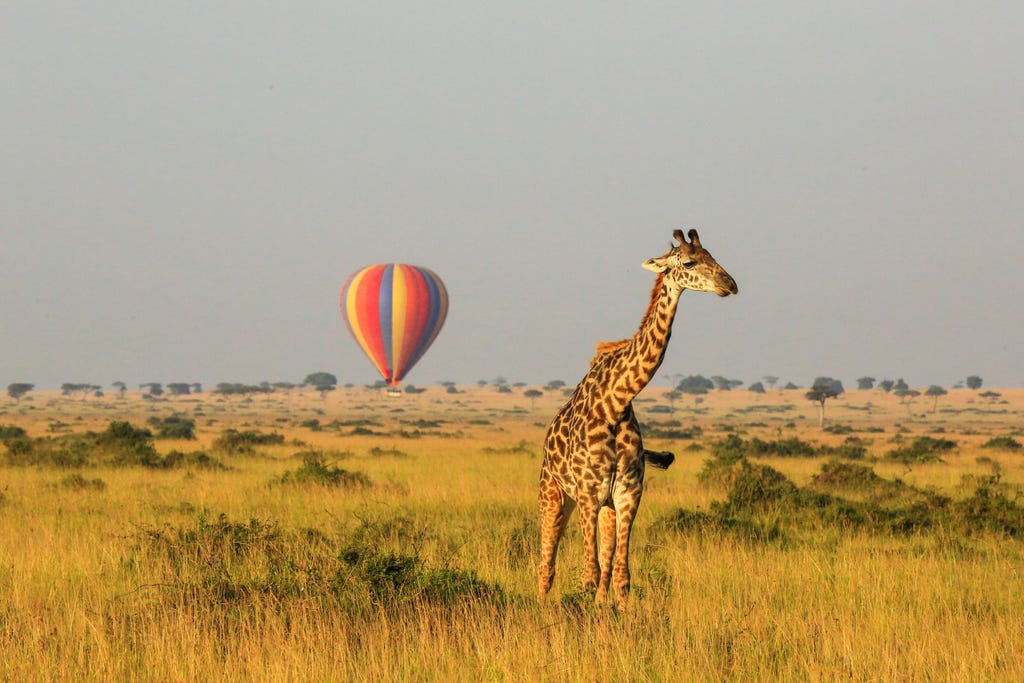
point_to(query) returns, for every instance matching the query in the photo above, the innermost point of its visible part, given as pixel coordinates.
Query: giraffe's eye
(689, 265)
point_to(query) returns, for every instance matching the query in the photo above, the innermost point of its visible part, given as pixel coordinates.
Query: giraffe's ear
(656, 265)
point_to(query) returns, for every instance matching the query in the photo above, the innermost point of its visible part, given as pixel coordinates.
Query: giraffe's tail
(659, 459)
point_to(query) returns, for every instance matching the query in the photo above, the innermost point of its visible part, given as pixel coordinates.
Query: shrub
(76, 482)
(315, 471)
(174, 427)
(66, 451)
(378, 452)
(234, 442)
(837, 475)
(838, 429)
(990, 509)
(1007, 443)
(126, 445)
(392, 578)
(198, 459)
(8, 432)
(847, 451)
(922, 449)
(757, 486)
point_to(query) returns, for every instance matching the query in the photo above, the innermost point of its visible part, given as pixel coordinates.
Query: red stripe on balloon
(417, 310)
(367, 311)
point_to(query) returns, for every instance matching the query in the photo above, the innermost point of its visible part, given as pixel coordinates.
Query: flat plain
(356, 536)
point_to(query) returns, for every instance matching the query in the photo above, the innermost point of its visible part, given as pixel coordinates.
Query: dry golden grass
(120, 582)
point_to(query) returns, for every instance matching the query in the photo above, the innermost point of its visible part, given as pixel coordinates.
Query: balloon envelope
(394, 312)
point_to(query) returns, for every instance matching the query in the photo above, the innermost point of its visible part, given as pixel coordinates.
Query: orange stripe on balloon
(399, 304)
(417, 315)
(364, 315)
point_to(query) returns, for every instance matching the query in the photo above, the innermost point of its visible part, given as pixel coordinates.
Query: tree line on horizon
(822, 389)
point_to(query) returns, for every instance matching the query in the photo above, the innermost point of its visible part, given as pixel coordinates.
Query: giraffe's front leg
(626, 512)
(588, 530)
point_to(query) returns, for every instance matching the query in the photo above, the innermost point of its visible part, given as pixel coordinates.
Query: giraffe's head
(690, 266)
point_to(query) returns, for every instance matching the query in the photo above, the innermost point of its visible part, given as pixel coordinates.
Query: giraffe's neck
(642, 356)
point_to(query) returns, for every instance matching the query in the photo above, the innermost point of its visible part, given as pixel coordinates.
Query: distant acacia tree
(900, 385)
(197, 388)
(179, 388)
(823, 389)
(935, 391)
(886, 385)
(757, 388)
(154, 388)
(554, 385)
(239, 389)
(69, 388)
(533, 395)
(866, 383)
(790, 386)
(907, 396)
(974, 382)
(673, 395)
(18, 389)
(770, 380)
(726, 384)
(121, 388)
(322, 382)
(695, 384)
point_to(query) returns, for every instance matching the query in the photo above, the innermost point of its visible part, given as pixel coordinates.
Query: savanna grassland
(359, 537)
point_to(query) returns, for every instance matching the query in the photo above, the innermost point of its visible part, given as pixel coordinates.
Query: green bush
(76, 482)
(1007, 443)
(762, 504)
(921, 450)
(315, 471)
(234, 442)
(174, 427)
(9, 432)
(119, 445)
(197, 459)
(218, 560)
(123, 445)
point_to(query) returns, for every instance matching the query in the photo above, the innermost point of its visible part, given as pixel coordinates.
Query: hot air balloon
(394, 312)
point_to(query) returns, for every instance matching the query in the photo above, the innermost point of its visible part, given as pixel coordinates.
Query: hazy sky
(184, 187)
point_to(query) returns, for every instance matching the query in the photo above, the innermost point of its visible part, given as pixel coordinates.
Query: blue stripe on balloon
(432, 320)
(386, 309)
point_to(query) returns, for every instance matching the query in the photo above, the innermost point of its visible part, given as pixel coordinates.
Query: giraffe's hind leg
(607, 537)
(555, 509)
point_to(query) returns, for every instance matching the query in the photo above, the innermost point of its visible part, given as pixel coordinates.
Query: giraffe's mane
(607, 347)
(655, 295)
(610, 346)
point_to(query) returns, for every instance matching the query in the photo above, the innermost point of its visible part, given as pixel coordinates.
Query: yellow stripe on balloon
(350, 298)
(399, 301)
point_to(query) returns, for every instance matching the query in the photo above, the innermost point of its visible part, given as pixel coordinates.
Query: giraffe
(593, 452)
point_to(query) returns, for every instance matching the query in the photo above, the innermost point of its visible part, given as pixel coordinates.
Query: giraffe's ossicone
(593, 451)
